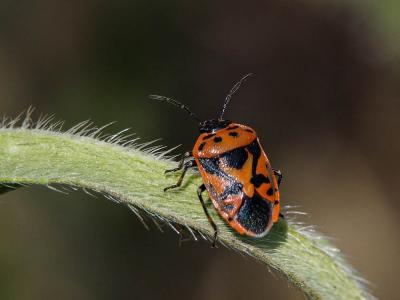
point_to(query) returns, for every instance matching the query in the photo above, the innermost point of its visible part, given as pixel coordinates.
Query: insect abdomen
(255, 215)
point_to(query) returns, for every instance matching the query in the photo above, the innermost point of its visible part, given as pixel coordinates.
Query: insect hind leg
(200, 190)
(278, 175)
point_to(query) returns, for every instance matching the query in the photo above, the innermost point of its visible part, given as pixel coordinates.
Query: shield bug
(236, 172)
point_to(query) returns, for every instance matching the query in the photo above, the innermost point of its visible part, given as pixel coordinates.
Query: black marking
(210, 165)
(232, 127)
(234, 134)
(249, 130)
(259, 179)
(217, 139)
(208, 136)
(276, 202)
(255, 150)
(255, 214)
(201, 146)
(233, 189)
(235, 158)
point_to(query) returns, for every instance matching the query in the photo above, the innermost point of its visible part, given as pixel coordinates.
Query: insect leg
(181, 162)
(200, 190)
(187, 165)
(278, 175)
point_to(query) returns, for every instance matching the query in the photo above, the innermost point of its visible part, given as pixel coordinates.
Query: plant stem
(136, 177)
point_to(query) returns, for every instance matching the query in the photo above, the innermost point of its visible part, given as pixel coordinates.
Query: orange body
(239, 178)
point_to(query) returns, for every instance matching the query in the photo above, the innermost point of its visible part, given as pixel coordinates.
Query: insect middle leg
(189, 164)
(200, 190)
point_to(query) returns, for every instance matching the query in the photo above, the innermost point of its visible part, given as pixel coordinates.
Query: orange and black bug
(235, 170)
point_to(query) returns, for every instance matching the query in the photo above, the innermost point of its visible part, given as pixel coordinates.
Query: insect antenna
(175, 103)
(233, 91)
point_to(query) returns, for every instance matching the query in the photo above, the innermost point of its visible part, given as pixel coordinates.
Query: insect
(236, 172)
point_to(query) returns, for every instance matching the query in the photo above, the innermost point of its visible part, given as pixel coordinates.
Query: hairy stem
(136, 177)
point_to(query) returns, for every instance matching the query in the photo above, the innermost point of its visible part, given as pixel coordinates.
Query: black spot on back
(208, 136)
(270, 191)
(259, 179)
(254, 214)
(201, 146)
(233, 133)
(217, 139)
(235, 158)
(255, 150)
(210, 165)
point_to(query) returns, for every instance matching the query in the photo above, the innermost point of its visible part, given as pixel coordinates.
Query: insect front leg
(200, 190)
(181, 162)
(187, 165)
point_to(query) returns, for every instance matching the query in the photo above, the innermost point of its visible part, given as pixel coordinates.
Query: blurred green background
(324, 100)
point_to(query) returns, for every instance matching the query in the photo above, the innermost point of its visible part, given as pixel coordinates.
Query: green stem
(136, 177)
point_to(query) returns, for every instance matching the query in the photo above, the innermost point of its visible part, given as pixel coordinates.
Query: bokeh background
(324, 100)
